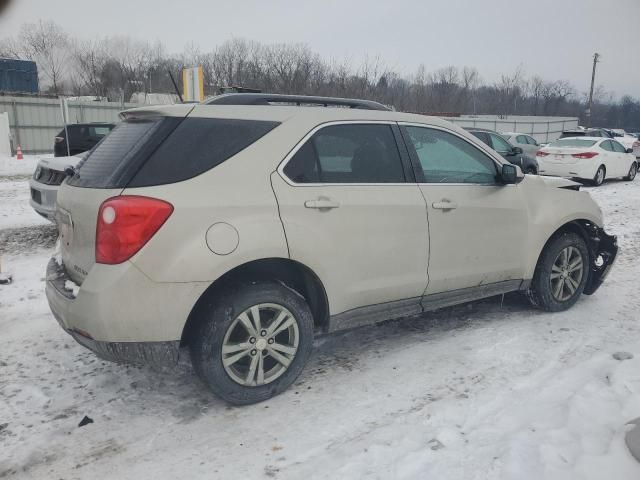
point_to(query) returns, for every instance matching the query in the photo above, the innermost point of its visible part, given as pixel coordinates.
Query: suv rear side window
(141, 153)
(198, 145)
(447, 158)
(349, 153)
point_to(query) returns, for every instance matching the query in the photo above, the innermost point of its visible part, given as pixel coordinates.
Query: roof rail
(269, 98)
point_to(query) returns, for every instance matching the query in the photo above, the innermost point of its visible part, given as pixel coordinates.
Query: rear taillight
(540, 153)
(59, 139)
(126, 224)
(584, 155)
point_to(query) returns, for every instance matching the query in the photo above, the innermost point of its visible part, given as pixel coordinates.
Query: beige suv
(243, 227)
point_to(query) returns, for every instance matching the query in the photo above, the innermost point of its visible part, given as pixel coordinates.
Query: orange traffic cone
(19, 155)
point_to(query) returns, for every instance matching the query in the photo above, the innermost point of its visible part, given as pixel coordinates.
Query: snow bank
(492, 390)
(11, 166)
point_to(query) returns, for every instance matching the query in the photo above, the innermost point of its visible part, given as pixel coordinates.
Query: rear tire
(632, 172)
(244, 361)
(561, 274)
(598, 179)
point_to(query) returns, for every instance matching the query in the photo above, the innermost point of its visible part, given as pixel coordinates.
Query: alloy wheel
(566, 273)
(260, 344)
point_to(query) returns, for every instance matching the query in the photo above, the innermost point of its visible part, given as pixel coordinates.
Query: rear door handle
(321, 203)
(445, 205)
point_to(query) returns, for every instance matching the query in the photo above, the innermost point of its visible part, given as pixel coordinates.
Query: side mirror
(517, 151)
(629, 150)
(510, 174)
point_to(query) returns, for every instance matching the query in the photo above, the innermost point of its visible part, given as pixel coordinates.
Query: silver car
(46, 180)
(527, 143)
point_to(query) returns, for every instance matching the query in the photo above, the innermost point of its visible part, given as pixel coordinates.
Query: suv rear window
(156, 151)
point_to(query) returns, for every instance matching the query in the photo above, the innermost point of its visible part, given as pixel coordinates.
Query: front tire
(561, 274)
(253, 343)
(632, 172)
(598, 179)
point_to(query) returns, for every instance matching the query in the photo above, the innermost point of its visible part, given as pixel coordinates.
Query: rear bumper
(604, 250)
(159, 354)
(120, 314)
(582, 170)
(43, 199)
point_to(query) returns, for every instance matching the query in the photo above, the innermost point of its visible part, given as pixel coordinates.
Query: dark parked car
(512, 154)
(82, 137)
(588, 132)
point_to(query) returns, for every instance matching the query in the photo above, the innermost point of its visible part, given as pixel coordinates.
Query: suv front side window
(448, 158)
(348, 153)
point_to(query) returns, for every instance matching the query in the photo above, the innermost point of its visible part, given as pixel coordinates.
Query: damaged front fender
(603, 249)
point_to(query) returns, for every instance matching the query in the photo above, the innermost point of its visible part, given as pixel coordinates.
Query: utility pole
(596, 59)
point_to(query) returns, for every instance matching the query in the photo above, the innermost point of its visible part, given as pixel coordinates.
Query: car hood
(558, 182)
(60, 163)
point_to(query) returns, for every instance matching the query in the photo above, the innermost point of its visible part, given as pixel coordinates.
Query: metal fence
(543, 129)
(34, 122)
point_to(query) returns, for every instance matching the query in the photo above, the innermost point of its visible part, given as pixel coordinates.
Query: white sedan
(587, 158)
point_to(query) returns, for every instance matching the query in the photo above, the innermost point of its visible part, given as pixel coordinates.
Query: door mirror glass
(509, 174)
(629, 150)
(516, 151)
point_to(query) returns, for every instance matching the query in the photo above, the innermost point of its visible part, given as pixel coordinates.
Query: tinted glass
(198, 145)
(99, 131)
(447, 158)
(349, 153)
(483, 136)
(522, 139)
(303, 166)
(573, 143)
(100, 168)
(500, 144)
(532, 141)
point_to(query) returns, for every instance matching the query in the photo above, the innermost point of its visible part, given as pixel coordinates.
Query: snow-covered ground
(491, 390)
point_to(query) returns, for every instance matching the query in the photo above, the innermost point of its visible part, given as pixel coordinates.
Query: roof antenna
(175, 85)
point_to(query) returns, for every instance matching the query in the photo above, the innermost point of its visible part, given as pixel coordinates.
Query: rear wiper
(71, 171)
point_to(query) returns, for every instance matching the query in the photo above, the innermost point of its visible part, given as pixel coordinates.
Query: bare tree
(47, 44)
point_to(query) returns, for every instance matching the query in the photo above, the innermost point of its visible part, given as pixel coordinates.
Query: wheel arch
(586, 229)
(294, 275)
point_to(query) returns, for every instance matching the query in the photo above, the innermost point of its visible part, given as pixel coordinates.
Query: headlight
(37, 173)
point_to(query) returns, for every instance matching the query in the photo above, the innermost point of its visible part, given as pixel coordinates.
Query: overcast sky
(552, 38)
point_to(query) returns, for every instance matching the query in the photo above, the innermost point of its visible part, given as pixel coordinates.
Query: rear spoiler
(178, 110)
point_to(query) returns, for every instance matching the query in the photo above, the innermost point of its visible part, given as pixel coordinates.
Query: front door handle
(321, 203)
(445, 205)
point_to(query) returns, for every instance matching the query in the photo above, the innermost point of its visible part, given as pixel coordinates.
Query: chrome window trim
(319, 127)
